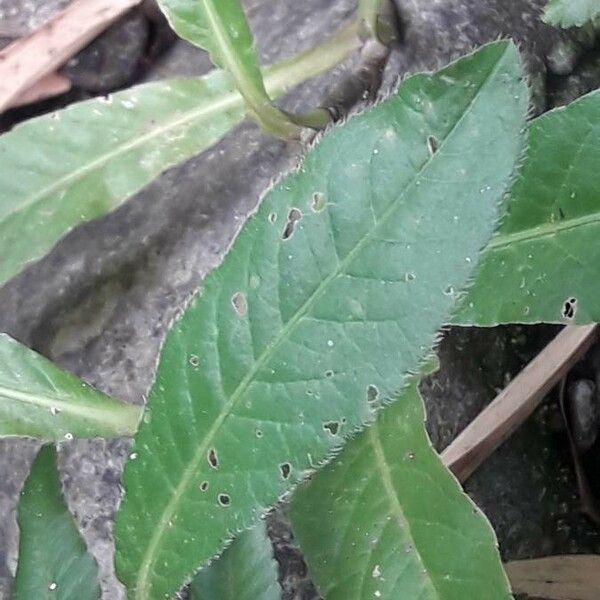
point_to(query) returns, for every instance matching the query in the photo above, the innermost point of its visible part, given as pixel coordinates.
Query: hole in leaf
(204, 486)
(293, 217)
(332, 427)
(224, 499)
(329, 373)
(272, 217)
(432, 144)
(410, 455)
(372, 393)
(569, 308)
(318, 202)
(285, 470)
(194, 360)
(259, 433)
(213, 461)
(240, 305)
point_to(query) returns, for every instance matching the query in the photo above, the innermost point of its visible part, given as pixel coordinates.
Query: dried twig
(27, 60)
(517, 401)
(47, 87)
(557, 577)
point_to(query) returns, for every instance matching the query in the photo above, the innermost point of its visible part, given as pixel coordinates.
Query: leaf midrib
(151, 555)
(541, 231)
(111, 416)
(386, 479)
(229, 100)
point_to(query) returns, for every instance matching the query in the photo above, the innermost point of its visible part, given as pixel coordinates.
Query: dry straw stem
(27, 60)
(557, 577)
(47, 87)
(517, 401)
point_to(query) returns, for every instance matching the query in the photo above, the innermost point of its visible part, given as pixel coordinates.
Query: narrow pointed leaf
(569, 13)
(387, 520)
(221, 28)
(37, 399)
(245, 571)
(543, 263)
(53, 560)
(60, 170)
(340, 281)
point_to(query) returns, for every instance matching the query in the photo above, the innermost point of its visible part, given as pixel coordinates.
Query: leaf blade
(220, 27)
(245, 571)
(53, 559)
(571, 13)
(105, 171)
(544, 254)
(386, 519)
(56, 173)
(39, 400)
(240, 355)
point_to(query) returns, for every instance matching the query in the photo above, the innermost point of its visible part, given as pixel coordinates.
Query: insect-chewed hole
(213, 460)
(224, 499)
(259, 433)
(240, 304)
(285, 470)
(194, 360)
(372, 393)
(272, 217)
(293, 217)
(332, 427)
(432, 144)
(318, 202)
(569, 308)
(329, 373)
(204, 486)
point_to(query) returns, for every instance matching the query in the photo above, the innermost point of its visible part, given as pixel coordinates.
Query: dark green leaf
(339, 282)
(39, 400)
(245, 571)
(543, 263)
(53, 561)
(387, 520)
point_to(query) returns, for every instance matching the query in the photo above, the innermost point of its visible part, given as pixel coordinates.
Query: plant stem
(283, 76)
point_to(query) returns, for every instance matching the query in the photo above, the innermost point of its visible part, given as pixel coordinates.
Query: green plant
(303, 336)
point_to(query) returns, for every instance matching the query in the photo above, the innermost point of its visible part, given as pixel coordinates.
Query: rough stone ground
(100, 303)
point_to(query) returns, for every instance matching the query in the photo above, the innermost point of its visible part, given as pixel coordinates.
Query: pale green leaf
(221, 28)
(61, 170)
(387, 520)
(569, 13)
(339, 282)
(245, 571)
(543, 263)
(39, 400)
(53, 561)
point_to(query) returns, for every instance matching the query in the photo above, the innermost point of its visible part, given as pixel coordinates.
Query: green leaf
(387, 520)
(39, 400)
(543, 263)
(53, 561)
(221, 28)
(339, 282)
(569, 13)
(245, 571)
(61, 170)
